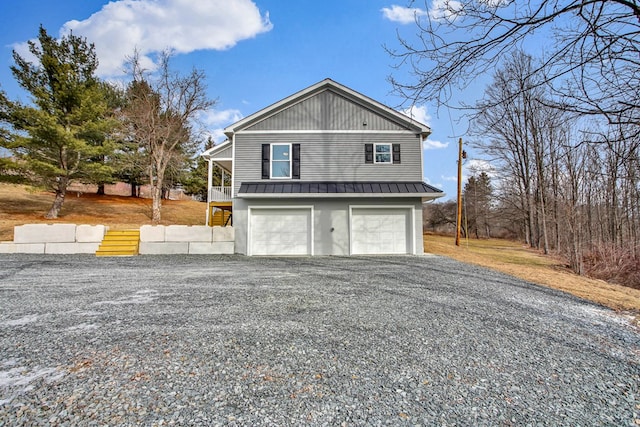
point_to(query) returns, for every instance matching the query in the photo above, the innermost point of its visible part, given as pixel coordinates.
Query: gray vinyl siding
(326, 111)
(330, 221)
(227, 153)
(330, 156)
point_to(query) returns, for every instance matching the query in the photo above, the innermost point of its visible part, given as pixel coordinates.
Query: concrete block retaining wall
(85, 239)
(183, 239)
(55, 239)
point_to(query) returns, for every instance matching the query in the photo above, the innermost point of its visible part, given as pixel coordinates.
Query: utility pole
(461, 155)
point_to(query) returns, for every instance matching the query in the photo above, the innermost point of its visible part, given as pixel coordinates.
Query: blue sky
(254, 53)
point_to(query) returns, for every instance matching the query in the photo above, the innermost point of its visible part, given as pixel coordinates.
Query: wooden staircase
(220, 214)
(220, 218)
(119, 243)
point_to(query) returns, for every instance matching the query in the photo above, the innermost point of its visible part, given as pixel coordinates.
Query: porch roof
(220, 155)
(337, 189)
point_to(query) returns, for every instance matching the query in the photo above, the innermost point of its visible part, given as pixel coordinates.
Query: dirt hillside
(21, 204)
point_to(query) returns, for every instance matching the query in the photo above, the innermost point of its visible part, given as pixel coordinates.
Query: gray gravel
(202, 340)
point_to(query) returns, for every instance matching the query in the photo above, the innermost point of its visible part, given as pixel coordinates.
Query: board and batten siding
(330, 156)
(326, 111)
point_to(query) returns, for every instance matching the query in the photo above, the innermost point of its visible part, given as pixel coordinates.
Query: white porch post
(209, 185)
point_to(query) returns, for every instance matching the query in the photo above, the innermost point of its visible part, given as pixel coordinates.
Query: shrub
(613, 264)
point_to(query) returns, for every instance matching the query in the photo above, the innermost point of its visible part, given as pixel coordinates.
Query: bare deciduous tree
(523, 135)
(592, 66)
(161, 114)
(440, 216)
(580, 199)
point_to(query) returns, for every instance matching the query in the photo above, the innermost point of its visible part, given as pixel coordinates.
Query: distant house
(325, 171)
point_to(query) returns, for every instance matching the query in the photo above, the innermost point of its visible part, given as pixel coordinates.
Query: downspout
(233, 164)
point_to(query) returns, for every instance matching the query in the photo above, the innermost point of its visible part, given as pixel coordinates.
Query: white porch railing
(220, 194)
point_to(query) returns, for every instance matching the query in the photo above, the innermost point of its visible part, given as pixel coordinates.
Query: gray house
(325, 171)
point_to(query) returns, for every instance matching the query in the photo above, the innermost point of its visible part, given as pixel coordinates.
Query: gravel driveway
(202, 340)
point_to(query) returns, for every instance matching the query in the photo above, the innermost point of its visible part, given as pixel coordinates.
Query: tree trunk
(543, 219)
(100, 191)
(156, 194)
(61, 192)
(531, 218)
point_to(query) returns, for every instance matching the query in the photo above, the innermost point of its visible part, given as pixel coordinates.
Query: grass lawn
(520, 261)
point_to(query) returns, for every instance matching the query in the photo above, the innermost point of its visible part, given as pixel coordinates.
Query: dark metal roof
(323, 187)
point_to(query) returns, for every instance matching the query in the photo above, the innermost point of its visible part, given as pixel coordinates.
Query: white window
(280, 160)
(382, 153)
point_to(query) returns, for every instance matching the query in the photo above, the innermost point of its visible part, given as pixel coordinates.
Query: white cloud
(151, 26)
(418, 113)
(474, 167)
(403, 15)
(495, 3)
(446, 10)
(22, 49)
(432, 144)
(216, 120)
(435, 184)
(221, 117)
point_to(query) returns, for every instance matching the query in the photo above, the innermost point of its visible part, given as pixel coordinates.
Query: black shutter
(396, 153)
(266, 164)
(368, 153)
(295, 164)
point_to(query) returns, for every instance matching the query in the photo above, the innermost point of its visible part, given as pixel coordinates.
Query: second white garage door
(380, 231)
(280, 231)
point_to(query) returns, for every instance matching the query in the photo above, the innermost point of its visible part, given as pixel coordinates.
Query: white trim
(218, 162)
(233, 166)
(311, 231)
(390, 145)
(422, 158)
(211, 151)
(209, 183)
(411, 225)
(271, 161)
(317, 131)
(336, 195)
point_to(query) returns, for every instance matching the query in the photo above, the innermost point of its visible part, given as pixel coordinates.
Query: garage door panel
(285, 231)
(380, 231)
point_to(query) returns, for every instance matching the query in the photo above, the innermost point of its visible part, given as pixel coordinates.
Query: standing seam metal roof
(332, 187)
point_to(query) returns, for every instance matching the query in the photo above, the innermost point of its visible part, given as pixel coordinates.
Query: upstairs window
(382, 153)
(280, 160)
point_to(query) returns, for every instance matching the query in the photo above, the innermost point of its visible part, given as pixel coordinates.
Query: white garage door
(280, 231)
(380, 231)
